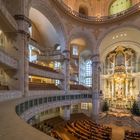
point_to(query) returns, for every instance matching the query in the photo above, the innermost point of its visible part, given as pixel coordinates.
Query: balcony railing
(27, 104)
(38, 70)
(102, 19)
(7, 60)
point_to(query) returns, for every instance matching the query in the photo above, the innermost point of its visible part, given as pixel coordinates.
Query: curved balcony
(7, 60)
(35, 43)
(9, 95)
(17, 128)
(9, 21)
(38, 70)
(26, 109)
(98, 20)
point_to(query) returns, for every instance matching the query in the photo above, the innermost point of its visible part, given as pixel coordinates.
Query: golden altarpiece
(119, 80)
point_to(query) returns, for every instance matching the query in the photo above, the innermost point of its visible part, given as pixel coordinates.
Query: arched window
(85, 71)
(83, 10)
(88, 73)
(119, 6)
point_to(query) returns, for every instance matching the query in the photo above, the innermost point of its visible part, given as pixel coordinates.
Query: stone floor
(118, 131)
(119, 124)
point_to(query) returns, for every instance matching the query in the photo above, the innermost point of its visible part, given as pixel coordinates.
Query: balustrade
(102, 19)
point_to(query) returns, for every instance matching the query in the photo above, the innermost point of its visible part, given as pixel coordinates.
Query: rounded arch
(117, 6)
(85, 35)
(111, 30)
(129, 44)
(45, 8)
(124, 36)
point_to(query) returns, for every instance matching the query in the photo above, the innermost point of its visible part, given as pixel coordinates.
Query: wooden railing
(78, 87)
(43, 67)
(42, 86)
(102, 19)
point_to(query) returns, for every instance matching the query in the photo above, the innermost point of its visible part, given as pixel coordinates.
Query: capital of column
(27, 23)
(95, 58)
(23, 18)
(26, 34)
(66, 55)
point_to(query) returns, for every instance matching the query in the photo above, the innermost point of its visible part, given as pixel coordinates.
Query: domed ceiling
(99, 7)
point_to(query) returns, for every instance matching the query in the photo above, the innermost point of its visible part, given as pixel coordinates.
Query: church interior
(70, 69)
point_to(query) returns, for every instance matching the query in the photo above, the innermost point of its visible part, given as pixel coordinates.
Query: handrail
(102, 19)
(28, 103)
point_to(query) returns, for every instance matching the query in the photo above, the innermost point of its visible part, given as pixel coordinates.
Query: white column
(96, 105)
(23, 36)
(95, 86)
(66, 70)
(65, 112)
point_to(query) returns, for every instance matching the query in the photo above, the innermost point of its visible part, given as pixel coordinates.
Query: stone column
(95, 86)
(65, 112)
(21, 15)
(22, 38)
(66, 70)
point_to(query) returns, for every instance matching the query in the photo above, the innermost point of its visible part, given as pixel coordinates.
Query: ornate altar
(119, 82)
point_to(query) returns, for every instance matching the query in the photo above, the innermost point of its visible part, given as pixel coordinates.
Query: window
(30, 31)
(119, 6)
(57, 47)
(88, 68)
(84, 106)
(57, 82)
(85, 72)
(83, 10)
(33, 53)
(75, 50)
(57, 65)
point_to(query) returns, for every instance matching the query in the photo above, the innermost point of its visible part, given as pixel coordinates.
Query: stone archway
(45, 7)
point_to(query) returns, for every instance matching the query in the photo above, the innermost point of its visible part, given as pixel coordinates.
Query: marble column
(95, 86)
(21, 16)
(22, 38)
(66, 70)
(65, 112)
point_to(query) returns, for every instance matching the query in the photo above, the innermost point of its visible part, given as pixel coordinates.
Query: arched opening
(45, 45)
(119, 6)
(80, 63)
(83, 10)
(119, 61)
